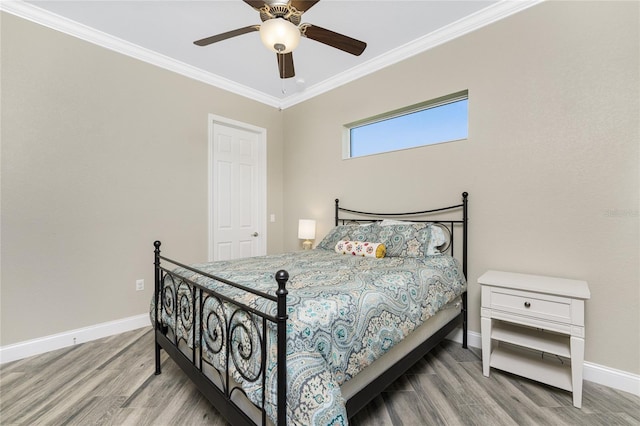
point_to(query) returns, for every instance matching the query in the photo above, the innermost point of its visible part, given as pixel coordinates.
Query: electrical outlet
(139, 285)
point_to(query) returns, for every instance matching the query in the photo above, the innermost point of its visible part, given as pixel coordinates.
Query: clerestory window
(440, 120)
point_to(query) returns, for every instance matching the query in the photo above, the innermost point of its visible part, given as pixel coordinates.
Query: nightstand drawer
(532, 305)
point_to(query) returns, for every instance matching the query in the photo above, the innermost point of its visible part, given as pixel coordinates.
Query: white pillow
(437, 239)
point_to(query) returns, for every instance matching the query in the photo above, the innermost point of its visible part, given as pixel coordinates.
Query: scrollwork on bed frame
(241, 331)
(217, 325)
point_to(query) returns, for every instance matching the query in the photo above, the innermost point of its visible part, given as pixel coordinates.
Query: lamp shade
(279, 35)
(306, 229)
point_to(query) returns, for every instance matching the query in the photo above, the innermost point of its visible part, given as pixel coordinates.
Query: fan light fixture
(279, 35)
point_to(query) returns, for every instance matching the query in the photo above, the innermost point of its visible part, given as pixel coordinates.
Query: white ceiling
(162, 32)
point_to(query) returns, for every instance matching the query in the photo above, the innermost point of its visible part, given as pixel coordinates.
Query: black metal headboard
(431, 216)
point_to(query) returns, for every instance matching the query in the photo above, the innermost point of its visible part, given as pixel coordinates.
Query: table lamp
(306, 232)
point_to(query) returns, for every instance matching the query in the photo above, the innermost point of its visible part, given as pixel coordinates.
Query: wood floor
(111, 382)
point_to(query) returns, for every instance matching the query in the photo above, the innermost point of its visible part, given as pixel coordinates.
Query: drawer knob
(527, 304)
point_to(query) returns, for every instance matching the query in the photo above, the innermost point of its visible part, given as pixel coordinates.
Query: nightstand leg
(577, 363)
(485, 330)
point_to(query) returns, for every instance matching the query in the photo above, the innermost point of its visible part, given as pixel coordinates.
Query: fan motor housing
(280, 10)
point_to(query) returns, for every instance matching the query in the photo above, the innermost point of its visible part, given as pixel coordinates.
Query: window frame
(400, 112)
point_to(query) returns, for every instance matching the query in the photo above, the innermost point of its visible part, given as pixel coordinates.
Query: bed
(311, 337)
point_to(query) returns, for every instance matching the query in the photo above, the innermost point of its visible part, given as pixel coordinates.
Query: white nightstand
(526, 313)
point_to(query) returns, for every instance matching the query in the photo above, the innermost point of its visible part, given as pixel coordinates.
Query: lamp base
(306, 245)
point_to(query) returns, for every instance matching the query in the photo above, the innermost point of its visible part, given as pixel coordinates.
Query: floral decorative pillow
(361, 248)
(406, 240)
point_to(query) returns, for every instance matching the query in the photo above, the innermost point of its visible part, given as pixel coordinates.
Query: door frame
(261, 190)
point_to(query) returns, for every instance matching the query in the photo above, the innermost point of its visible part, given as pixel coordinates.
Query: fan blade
(303, 5)
(333, 39)
(285, 65)
(254, 4)
(216, 38)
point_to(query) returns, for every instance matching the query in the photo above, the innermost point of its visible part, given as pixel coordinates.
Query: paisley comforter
(344, 312)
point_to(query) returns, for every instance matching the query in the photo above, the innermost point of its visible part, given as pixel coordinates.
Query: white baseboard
(611, 377)
(473, 339)
(41, 345)
(606, 376)
(617, 379)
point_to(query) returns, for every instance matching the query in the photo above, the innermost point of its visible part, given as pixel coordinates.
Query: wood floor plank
(132, 416)
(515, 403)
(11, 379)
(406, 408)
(486, 414)
(59, 402)
(373, 414)
(111, 381)
(157, 390)
(96, 411)
(441, 409)
(189, 407)
(603, 399)
(461, 387)
(542, 396)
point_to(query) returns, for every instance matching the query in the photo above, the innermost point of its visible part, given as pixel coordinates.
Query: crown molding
(482, 18)
(56, 22)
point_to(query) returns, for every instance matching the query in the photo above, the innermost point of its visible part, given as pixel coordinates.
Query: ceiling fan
(281, 30)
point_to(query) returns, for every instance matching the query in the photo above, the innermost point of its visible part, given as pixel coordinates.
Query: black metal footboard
(196, 325)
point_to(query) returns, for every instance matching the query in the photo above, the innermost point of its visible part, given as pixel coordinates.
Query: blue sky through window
(442, 123)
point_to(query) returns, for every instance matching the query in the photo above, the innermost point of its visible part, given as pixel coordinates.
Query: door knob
(255, 234)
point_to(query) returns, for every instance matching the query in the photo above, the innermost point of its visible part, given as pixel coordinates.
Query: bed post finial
(337, 211)
(281, 277)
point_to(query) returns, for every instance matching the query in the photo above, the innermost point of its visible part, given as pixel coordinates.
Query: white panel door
(237, 190)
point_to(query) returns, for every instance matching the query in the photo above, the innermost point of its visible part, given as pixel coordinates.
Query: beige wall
(551, 163)
(101, 155)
